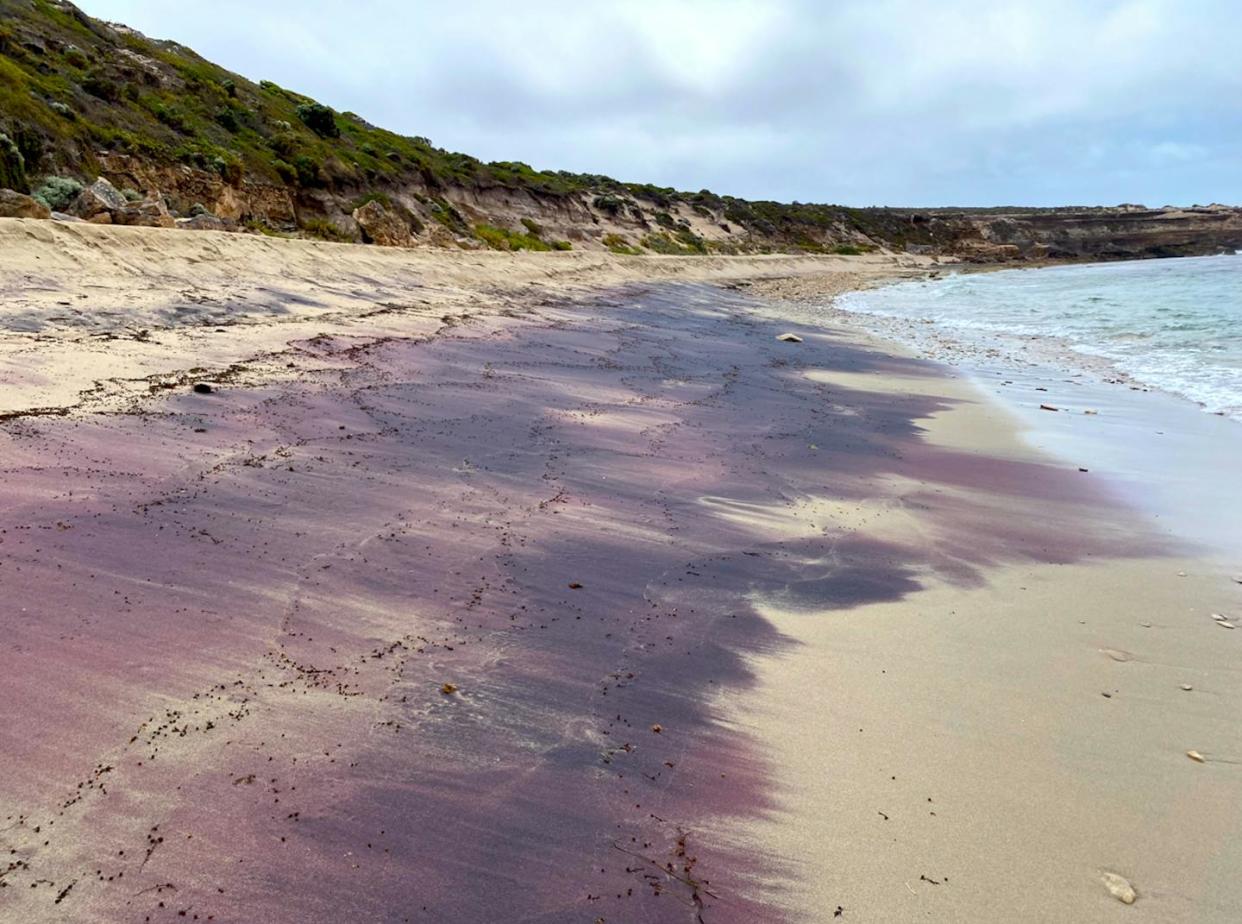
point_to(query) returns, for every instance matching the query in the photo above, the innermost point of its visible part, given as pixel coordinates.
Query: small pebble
(1119, 888)
(1196, 757)
(1187, 687)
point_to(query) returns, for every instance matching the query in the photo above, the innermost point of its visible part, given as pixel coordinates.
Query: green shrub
(382, 198)
(171, 116)
(319, 119)
(286, 171)
(227, 119)
(685, 243)
(62, 110)
(664, 220)
(533, 227)
(12, 166)
(229, 87)
(326, 231)
(609, 204)
(562, 245)
(57, 192)
(618, 244)
(500, 239)
(229, 168)
(101, 85)
(75, 56)
(308, 172)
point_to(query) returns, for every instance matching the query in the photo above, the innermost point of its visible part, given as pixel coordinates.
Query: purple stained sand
(222, 654)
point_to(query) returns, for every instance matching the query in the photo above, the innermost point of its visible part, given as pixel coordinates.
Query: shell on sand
(1119, 887)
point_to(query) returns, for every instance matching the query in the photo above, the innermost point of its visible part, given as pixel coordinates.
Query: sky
(882, 102)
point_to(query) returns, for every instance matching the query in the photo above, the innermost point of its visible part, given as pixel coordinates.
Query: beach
(346, 583)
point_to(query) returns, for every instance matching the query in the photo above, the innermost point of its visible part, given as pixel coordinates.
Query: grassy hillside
(72, 87)
(80, 98)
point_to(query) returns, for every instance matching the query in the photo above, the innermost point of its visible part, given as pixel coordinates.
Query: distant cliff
(180, 141)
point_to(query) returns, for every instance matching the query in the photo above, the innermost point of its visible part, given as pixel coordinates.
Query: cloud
(886, 101)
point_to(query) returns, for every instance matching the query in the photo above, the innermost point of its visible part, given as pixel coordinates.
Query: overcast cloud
(896, 102)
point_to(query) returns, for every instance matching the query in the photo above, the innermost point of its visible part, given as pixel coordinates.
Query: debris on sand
(1119, 887)
(789, 338)
(574, 585)
(448, 689)
(1049, 407)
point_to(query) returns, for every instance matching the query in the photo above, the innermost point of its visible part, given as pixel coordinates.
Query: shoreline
(576, 583)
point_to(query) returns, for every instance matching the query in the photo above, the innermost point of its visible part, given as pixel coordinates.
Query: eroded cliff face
(417, 215)
(1121, 233)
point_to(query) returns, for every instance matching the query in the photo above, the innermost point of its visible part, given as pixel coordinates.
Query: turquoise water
(1173, 325)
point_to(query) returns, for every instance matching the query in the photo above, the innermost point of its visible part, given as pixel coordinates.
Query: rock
(381, 226)
(789, 338)
(1219, 617)
(18, 205)
(202, 223)
(1187, 687)
(202, 388)
(1196, 757)
(64, 216)
(1119, 887)
(103, 218)
(150, 212)
(100, 198)
(1226, 625)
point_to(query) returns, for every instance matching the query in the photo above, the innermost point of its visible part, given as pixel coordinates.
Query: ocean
(1173, 325)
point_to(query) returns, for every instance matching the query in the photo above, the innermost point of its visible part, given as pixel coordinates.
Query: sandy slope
(90, 310)
(720, 614)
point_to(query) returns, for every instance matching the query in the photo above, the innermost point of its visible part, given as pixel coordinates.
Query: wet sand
(564, 602)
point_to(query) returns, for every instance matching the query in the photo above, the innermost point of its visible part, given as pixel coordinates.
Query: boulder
(202, 222)
(381, 226)
(100, 198)
(17, 205)
(151, 212)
